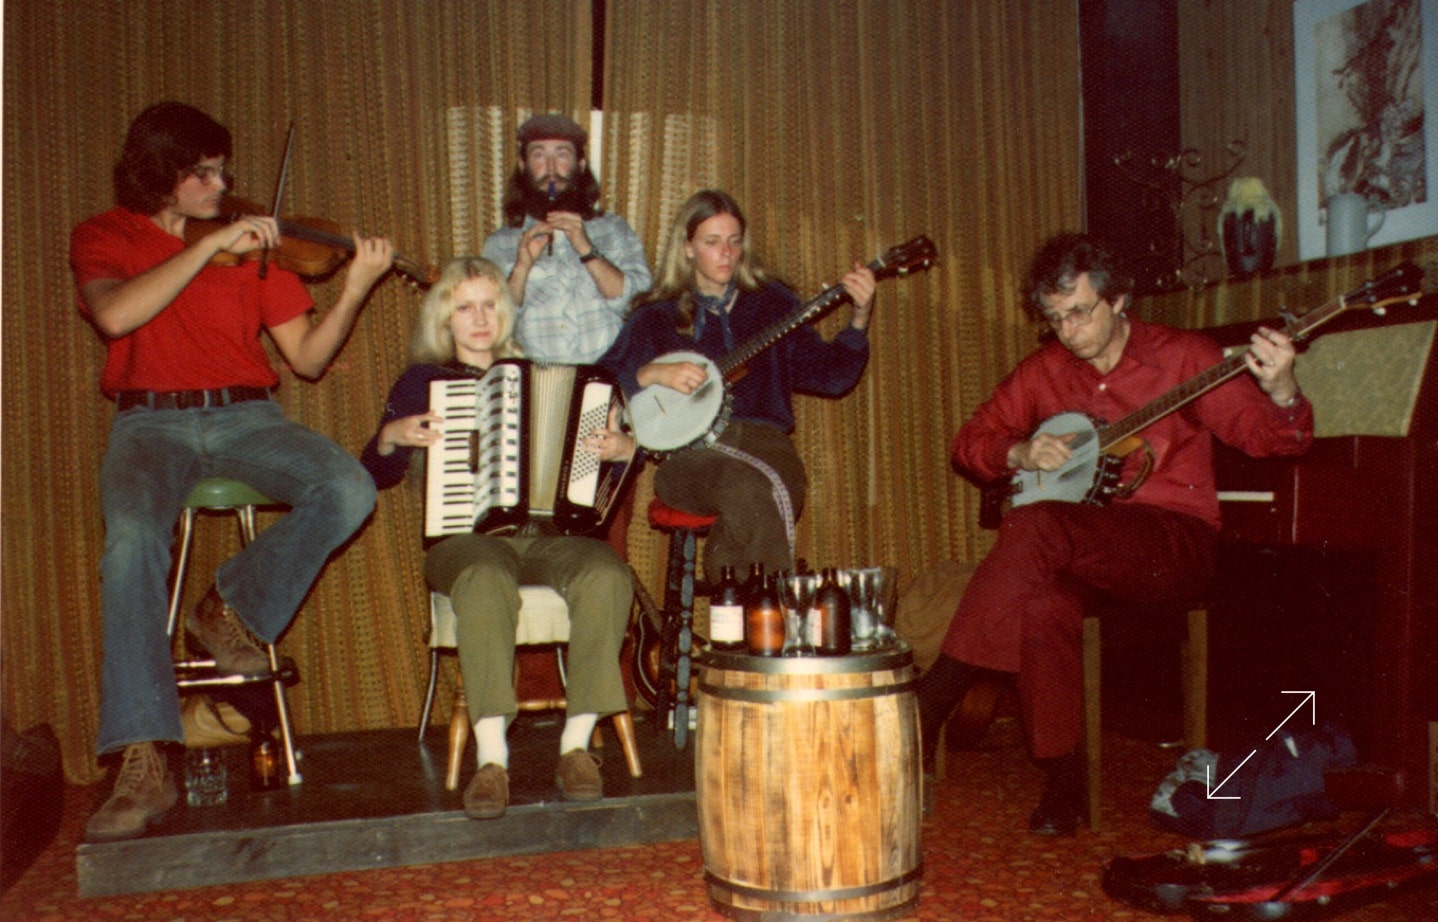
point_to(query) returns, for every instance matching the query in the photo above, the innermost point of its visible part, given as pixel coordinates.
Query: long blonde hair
(676, 275)
(433, 343)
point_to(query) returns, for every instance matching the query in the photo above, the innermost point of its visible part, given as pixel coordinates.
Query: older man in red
(1022, 611)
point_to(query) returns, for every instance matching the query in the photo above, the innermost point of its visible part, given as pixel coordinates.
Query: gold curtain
(843, 128)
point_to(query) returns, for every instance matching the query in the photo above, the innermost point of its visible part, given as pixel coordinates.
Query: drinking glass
(205, 781)
(872, 592)
(796, 597)
(863, 620)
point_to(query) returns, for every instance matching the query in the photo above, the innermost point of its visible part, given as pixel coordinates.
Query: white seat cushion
(543, 618)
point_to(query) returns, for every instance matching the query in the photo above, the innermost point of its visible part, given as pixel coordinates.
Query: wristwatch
(592, 254)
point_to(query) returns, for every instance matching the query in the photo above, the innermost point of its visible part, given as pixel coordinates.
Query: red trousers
(1023, 609)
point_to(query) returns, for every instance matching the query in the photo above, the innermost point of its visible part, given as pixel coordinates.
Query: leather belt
(189, 400)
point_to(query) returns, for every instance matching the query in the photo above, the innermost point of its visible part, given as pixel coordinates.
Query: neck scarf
(704, 305)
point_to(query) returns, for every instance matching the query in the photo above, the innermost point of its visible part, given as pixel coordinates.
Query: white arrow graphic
(1208, 779)
(1311, 699)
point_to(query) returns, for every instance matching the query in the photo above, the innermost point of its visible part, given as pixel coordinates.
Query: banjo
(665, 419)
(1100, 450)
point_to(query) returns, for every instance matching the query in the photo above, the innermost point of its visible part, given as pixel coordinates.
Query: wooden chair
(543, 621)
(220, 494)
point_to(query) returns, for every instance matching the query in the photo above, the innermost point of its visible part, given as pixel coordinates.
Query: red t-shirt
(1155, 359)
(209, 336)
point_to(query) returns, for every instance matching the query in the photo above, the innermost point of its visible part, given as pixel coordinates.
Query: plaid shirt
(564, 319)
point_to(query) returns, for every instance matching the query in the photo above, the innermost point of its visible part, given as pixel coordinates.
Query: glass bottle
(754, 583)
(764, 622)
(265, 771)
(726, 613)
(834, 636)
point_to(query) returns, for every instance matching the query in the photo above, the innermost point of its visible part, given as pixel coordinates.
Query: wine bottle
(726, 613)
(754, 584)
(834, 636)
(764, 621)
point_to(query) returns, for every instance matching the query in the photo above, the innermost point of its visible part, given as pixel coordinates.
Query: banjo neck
(1394, 286)
(820, 304)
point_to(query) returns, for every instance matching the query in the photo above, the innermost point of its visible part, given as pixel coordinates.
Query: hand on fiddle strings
(245, 235)
(1270, 357)
(1043, 452)
(861, 284)
(684, 377)
(373, 257)
(420, 431)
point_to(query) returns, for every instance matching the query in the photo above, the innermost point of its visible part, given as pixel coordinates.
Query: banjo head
(665, 420)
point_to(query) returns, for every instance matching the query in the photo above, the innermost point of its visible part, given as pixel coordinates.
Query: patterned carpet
(980, 865)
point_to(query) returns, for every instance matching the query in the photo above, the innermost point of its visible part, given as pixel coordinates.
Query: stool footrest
(200, 673)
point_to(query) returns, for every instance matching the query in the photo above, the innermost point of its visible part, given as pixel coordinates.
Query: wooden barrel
(808, 785)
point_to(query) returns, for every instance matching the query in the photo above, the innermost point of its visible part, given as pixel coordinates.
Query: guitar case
(1306, 876)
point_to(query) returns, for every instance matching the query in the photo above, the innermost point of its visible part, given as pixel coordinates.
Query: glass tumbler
(205, 782)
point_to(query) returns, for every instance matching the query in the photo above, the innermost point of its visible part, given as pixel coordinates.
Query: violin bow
(279, 191)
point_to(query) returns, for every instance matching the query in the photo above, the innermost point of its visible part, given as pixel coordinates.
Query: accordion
(510, 461)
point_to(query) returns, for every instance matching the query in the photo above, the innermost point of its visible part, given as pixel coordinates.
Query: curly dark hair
(163, 141)
(1059, 263)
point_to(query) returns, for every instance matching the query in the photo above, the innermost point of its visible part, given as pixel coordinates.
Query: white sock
(490, 741)
(578, 728)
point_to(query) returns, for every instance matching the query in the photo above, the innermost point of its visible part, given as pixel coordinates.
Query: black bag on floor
(1280, 784)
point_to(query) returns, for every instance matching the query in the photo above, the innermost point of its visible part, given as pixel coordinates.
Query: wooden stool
(220, 494)
(543, 621)
(675, 666)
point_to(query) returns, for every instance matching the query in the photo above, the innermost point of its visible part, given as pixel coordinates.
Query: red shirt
(209, 336)
(1155, 359)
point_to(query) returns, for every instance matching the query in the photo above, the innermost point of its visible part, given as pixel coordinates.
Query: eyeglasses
(207, 174)
(1078, 316)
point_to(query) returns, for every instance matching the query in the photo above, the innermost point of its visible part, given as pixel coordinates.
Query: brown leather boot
(144, 792)
(216, 629)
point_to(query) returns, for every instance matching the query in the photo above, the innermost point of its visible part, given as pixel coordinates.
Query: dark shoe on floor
(1062, 806)
(216, 629)
(1055, 819)
(144, 792)
(487, 795)
(578, 775)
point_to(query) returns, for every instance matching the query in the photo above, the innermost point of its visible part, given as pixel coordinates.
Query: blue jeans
(154, 459)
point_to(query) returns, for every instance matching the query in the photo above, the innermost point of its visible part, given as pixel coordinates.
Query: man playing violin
(1022, 610)
(194, 389)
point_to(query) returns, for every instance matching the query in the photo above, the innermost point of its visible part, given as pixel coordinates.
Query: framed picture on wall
(1365, 73)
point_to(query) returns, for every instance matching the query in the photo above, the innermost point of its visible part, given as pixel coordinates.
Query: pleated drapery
(843, 128)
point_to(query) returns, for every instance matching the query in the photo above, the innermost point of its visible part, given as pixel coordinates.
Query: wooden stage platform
(376, 799)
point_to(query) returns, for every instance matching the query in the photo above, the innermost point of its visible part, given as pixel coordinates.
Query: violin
(308, 247)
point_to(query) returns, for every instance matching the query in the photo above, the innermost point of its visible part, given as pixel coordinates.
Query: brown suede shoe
(487, 795)
(144, 792)
(216, 629)
(578, 775)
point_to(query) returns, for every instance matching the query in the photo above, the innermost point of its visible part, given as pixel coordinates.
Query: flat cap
(552, 126)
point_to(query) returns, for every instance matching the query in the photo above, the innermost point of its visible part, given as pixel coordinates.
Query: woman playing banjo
(713, 295)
